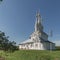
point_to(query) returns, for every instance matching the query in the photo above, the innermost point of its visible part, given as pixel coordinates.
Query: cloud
(57, 42)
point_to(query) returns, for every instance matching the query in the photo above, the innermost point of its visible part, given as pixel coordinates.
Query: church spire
(38, 23)
(38, 17)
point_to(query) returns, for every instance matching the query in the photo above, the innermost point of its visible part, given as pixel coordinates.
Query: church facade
(38, 40)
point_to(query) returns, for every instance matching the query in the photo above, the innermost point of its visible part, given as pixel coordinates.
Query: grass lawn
(31, 55)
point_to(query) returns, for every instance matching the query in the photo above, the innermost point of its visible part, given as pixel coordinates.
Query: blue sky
(17, 18)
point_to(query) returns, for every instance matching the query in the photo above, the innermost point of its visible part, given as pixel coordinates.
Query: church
(38, 40)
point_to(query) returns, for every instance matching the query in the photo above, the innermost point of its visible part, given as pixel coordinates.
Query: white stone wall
(38, 46)
(34, 46)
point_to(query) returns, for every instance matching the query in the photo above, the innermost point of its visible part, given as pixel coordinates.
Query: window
(31, 45)
(36, 45)
(29, 37)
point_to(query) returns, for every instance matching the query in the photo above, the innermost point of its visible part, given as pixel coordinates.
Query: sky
(17, 18)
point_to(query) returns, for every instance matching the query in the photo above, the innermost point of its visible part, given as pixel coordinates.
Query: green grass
(31, 55)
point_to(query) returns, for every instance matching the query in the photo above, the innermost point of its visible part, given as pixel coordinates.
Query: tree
(1, 0)
(5, 44)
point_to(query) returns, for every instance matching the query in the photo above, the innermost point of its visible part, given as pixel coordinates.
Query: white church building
(38, 40)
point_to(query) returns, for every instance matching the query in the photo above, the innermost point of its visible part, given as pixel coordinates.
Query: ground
(31, 55)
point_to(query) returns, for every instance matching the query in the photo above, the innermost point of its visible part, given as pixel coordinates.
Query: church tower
(38, 40)
(38, 23)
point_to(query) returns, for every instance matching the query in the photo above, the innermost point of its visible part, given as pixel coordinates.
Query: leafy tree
(5, 44)
(1, 0)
